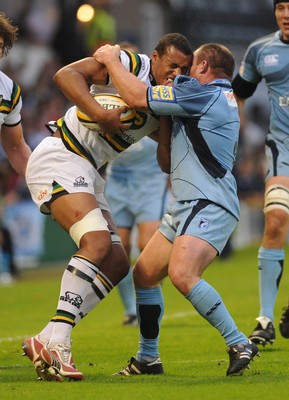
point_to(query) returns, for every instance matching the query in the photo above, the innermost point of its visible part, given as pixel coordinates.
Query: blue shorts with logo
(199, 218)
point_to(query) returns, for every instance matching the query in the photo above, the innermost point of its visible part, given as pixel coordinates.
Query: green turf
(193, 353)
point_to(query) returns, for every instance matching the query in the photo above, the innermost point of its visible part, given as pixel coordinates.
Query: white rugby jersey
(10, 101)
(97, 148)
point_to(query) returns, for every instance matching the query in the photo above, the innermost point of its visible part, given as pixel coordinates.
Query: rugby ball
(108, 102)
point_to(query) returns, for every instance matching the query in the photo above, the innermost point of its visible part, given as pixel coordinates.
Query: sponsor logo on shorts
(204, 224)
(80, 182)
(42, 194)
(163, 93)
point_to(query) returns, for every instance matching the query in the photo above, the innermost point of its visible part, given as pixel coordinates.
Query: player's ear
(155, 55)
(204, 66)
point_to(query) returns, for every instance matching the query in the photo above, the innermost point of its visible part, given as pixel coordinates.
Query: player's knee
(276, 198)
(144, 277)
(91, 222)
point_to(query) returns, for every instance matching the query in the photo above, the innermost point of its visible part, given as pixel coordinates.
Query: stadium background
(51, 36)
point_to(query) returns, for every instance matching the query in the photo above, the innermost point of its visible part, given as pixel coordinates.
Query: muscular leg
(126, 286)
(145, 231)
(86, 268)
(149, 271)
(271, 253)
(190, 257)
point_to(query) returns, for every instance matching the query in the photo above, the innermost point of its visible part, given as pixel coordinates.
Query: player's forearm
(75, 87)
(18, 157)
(131, 89)
(15, 147)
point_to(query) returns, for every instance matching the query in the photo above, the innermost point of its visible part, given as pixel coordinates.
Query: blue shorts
(277, 155)
(199, 218)
(134, 200)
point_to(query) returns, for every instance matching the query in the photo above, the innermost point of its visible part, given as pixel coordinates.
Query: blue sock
(209, 305)
(126, 292)
(270, 264)
(150, 310)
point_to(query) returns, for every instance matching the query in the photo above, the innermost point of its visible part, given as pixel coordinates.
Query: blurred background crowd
(53, 33)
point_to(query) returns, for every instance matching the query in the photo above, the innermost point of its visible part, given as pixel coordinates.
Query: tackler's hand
(107, 53)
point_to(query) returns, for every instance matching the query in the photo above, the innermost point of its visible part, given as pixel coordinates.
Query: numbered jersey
(101, 148)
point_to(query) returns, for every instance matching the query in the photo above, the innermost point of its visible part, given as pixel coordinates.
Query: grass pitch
(193, 353)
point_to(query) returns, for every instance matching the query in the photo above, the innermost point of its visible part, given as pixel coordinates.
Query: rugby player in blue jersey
(267, 58)
(198, 148)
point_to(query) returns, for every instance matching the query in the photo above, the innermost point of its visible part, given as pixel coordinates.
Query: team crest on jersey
(204, 224)
(163, 93)
(271, 59)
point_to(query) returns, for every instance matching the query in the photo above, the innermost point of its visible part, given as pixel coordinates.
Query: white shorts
(52, 171)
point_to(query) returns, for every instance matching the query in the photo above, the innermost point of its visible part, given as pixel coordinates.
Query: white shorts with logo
(199, 218)
(52, 170)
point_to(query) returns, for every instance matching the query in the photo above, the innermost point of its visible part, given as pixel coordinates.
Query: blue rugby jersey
(204, 139)
(267, 58)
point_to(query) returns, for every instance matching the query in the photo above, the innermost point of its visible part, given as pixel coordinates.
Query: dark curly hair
(179, 41)
(8, 32)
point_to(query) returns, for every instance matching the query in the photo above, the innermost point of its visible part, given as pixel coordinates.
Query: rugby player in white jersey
(63, 179)
(12, 138)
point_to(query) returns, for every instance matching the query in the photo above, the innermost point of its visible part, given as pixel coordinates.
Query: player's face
(171, 64)
(282, 19)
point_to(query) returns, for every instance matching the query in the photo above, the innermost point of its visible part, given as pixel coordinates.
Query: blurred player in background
(64, 181)
(136, 191)
(267, 58)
